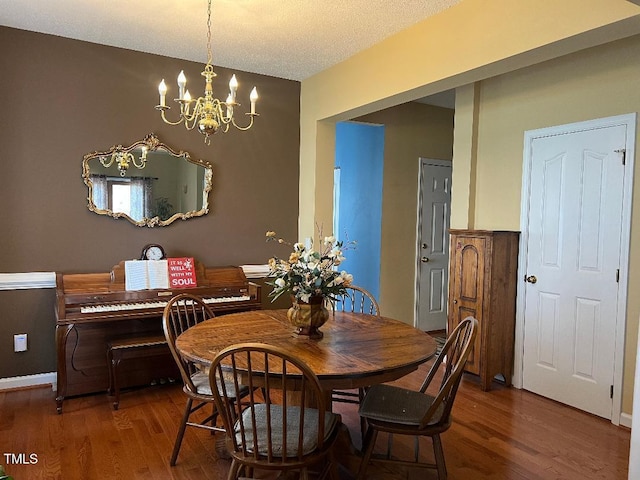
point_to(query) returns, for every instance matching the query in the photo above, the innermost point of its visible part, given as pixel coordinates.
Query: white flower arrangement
(309, 272)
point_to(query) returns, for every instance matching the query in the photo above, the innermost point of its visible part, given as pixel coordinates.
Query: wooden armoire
(482, 283)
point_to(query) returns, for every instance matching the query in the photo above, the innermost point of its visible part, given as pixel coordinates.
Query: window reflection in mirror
(147, 183)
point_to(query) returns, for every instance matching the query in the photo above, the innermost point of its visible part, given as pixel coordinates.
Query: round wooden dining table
(357, 349)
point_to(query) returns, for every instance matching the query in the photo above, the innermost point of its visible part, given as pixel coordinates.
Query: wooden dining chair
(269, 431)
(181, 313)
(395, 410)
(356, 299)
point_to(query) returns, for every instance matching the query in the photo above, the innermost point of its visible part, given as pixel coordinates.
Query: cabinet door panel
(468, 292)
(471, 265)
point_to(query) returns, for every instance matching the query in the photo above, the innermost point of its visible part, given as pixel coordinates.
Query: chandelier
(207, 113)
(124, 160)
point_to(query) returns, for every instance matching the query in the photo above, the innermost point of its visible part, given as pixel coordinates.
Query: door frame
(629, 120)
(436, 163)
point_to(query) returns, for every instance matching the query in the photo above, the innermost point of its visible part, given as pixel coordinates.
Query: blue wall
(359, 156)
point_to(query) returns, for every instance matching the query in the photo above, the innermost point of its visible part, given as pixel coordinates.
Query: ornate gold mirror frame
(148, 183)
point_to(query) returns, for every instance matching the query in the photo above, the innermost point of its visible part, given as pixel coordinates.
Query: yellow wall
(412, 130)
(465, 151)
(595, 83)
(591, 84)
(474, 41)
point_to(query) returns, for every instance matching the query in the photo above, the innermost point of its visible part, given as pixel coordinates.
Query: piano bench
(127, 348)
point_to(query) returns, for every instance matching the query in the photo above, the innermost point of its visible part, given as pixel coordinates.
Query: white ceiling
(292, 39)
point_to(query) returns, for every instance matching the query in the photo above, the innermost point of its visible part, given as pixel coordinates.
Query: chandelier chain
(209, 55)
(207, 113)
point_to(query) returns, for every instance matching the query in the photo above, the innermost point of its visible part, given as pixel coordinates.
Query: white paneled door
(433, 244)
(573, 262)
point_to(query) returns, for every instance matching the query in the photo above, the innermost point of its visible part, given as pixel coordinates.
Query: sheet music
(145, 274)
(158, 274)
(135, 275)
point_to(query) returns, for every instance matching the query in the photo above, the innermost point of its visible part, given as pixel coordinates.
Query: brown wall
(62, 99)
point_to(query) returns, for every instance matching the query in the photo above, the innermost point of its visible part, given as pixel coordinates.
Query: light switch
(20, 342)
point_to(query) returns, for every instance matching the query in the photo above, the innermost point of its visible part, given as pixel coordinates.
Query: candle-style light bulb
(182, 82)
(162, 89)
(233, 87)
(229, 104)
(184, 104)
(253, 97)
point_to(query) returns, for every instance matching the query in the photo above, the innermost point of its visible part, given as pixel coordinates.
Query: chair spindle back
(181, 313)
(357, 299)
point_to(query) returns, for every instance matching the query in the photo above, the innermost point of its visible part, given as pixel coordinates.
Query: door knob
(424, 259)
(530, 279)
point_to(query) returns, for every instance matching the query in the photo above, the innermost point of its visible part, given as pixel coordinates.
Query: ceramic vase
(308, 317)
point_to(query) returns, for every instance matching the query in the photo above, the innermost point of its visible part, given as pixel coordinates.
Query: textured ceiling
(291, 39)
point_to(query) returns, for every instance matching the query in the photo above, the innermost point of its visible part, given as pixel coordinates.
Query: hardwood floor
(502, 434)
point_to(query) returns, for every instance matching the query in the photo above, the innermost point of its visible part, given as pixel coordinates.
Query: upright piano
(92, 308)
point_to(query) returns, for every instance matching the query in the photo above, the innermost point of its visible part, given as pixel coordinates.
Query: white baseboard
(625, 420)
(27, 281)
(29, 381)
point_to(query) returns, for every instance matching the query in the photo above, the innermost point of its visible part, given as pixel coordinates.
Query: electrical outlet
(20, 342)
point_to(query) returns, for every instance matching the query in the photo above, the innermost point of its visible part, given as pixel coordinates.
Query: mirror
(148, 183)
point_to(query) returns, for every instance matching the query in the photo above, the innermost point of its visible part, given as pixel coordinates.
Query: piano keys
(91, 308)
(127, 307)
